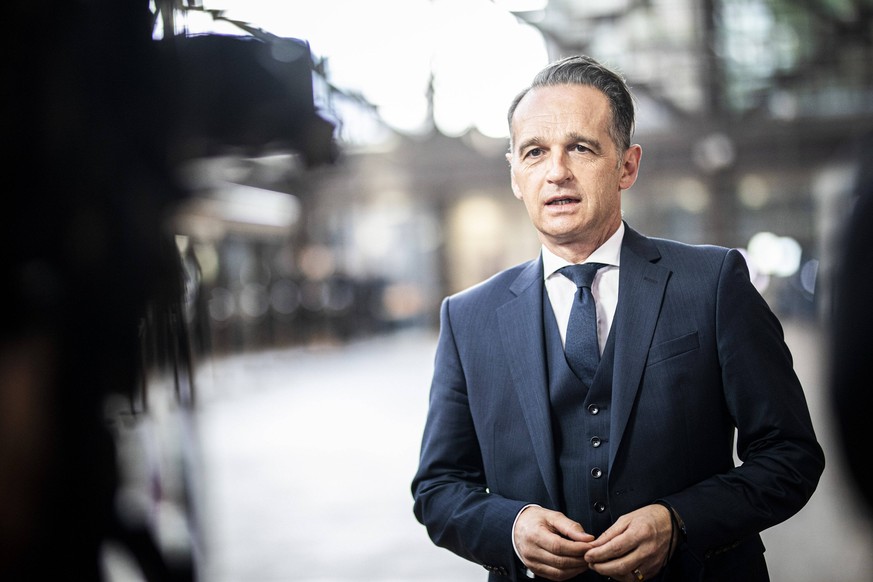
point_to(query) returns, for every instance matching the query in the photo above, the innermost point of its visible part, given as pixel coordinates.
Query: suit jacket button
(596, 472)
(593, 409)
(599, 507)
(596, 442)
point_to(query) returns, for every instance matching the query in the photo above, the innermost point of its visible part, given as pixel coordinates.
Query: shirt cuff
(527, 571)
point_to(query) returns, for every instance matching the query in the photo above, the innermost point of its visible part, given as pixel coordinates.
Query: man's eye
(581, 148)
(534, 152)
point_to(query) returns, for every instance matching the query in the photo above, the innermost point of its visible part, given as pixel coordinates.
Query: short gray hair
(583, 70)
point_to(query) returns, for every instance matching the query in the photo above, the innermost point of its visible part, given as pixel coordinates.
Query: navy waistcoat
(580, 421)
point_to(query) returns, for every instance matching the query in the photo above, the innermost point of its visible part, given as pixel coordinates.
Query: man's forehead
(565, 95)
(560, 112)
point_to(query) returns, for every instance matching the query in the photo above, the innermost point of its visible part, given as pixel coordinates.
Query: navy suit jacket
(698, 353)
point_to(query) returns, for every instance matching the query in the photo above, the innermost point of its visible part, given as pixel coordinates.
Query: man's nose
(559, 171)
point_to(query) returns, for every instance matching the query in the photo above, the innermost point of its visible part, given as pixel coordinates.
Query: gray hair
(583, 70)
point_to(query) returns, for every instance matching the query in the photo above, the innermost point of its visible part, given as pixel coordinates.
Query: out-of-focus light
(522, 5)
(775, 255)
(760, 280)
(753, 191)
(406, 113)
(257, 206)
(253, 300)
(808, 275)
(714, 152)
(692, 195)
(479, 218)
(783, 105)
(221, 305)
(402, 301)
(446, 118)
(317, 262)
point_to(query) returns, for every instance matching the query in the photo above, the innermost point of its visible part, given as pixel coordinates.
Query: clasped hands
(555, 547)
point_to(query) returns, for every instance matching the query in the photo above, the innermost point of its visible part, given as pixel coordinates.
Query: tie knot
(582, 275)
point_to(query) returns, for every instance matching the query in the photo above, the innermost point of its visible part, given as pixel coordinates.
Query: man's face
(566, 168)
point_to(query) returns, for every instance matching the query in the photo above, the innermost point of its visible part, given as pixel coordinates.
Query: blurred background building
(335, 168)
(749, 114)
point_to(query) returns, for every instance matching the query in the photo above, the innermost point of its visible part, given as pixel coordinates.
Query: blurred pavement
(307, 457)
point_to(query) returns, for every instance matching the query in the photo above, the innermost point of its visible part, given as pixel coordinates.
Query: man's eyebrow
(570, 138)
(533, 141)
(579, 138)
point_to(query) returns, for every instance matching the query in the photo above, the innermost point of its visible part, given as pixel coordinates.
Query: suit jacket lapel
(521, 331)
(641, 289)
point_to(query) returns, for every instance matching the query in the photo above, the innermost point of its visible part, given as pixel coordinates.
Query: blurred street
(308, 454)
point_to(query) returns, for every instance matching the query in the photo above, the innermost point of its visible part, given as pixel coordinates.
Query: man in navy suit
(535, 469)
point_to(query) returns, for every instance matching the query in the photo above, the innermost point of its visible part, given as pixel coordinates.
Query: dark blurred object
(852, 347)
(86, 180)
(91, 134)
(249, 93)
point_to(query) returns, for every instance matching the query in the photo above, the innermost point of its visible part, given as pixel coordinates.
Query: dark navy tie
(581, 347)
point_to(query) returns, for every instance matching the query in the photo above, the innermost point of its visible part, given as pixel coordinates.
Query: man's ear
(515, 189)
(630, 166)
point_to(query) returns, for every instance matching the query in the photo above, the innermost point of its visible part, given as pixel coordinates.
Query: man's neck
(578, 251)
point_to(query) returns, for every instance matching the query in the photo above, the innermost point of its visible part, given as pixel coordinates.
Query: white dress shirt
(562, 290)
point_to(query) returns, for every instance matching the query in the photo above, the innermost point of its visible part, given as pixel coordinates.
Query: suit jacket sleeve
(451, 497)
(781, 459)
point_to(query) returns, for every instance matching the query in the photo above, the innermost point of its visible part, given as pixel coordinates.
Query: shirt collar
(609, 253)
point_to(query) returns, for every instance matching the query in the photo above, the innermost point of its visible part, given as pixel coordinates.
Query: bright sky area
(479, 54)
